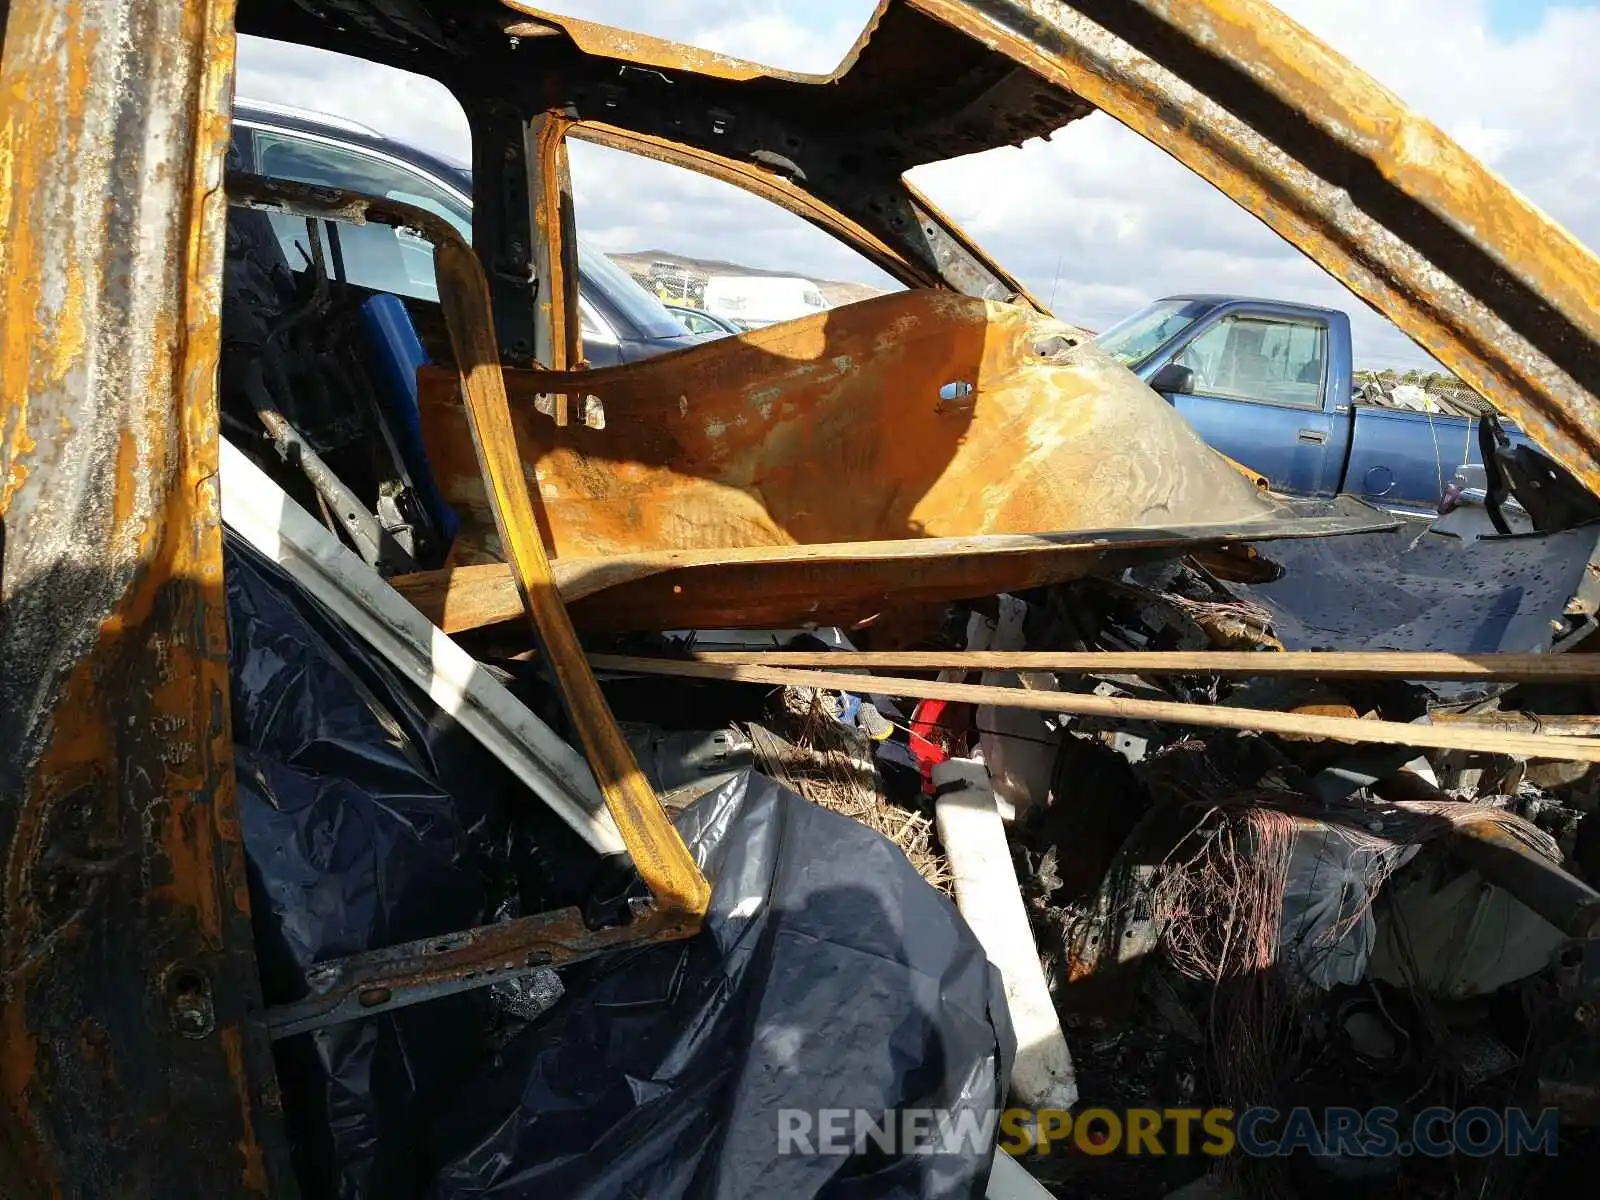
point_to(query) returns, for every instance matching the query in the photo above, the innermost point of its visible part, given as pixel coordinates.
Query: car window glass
(375, 256)
(697, 322)
(1136, 337)
(1279, 362)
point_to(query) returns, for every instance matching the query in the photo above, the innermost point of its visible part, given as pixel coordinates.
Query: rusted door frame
(662, 860)
(558, 342)
(135, 1062)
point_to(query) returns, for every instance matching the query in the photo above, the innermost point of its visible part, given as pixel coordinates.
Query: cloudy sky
(1096, 220)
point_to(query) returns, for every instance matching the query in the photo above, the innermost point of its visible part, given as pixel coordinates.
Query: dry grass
(831, 766)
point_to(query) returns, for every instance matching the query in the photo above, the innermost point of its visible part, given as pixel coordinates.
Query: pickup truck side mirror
(1174, 379)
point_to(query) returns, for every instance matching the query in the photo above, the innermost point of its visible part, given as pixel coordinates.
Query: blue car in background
(1271, 385)
(621, 321)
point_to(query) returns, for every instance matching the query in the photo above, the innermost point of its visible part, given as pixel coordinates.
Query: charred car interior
(357, 837)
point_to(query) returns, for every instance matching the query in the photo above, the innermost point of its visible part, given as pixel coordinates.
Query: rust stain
(253, 1173)
(20, 1058)
(831, 429)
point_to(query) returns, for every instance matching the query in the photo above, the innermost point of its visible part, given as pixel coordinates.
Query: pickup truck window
(1135, 338)
(1252, 358)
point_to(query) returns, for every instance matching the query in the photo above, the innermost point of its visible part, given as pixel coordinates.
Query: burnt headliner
(912, 90)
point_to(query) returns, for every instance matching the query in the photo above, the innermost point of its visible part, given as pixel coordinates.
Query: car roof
(299, 120)
(1265, 301)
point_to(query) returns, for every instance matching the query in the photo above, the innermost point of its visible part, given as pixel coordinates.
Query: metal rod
(347, 508)
(1347, 729)
(1347, 664)
(378, 981)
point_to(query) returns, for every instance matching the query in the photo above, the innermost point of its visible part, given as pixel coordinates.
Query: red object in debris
(937, 727)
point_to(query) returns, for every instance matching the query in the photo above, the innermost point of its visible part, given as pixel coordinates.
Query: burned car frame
(136, 1049)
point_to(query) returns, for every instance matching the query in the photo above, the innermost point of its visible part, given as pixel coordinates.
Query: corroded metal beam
(132, 1057)
(558, 341)
(392, 977)
(766, 587)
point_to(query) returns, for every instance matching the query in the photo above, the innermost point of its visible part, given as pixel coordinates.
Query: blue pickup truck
(1270, 384)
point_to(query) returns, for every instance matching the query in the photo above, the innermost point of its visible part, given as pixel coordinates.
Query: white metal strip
(259, 511)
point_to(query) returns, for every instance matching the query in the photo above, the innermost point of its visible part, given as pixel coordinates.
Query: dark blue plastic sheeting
(829, 975)
(368, 820)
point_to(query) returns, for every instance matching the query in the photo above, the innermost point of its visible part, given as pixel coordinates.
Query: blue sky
(1511, 18)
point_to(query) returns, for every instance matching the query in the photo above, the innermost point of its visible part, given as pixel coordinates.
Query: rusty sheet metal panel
(132, 1058)
(839, 583)
(915, 415)
(1338, 166)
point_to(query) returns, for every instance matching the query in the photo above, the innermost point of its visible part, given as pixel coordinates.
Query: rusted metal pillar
(559, 345)
(132, 1058)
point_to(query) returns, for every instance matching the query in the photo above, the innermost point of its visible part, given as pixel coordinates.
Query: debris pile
(1233, 920)
(669, 852)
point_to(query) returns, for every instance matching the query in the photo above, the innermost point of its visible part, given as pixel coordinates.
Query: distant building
(757, 300)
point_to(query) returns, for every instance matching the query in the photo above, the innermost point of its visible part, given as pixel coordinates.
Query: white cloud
(1096, 217)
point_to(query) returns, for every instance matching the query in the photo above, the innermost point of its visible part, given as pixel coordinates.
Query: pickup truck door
(1259, 396)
